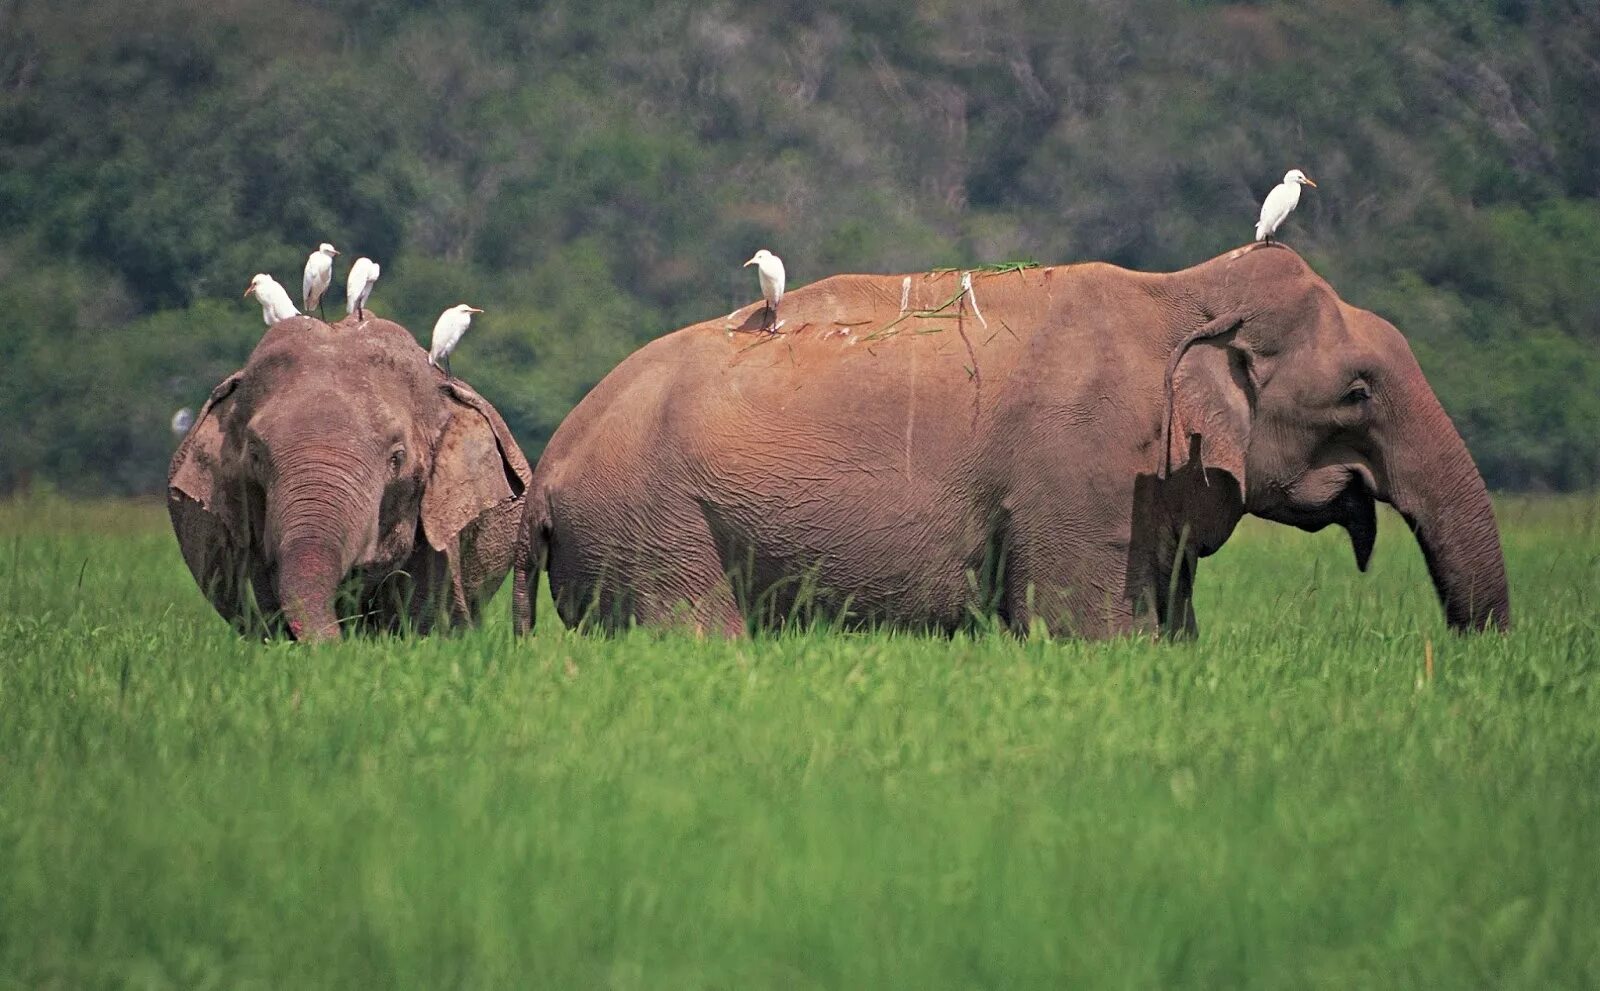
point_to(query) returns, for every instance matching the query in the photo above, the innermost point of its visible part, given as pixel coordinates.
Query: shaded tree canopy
(592, 173)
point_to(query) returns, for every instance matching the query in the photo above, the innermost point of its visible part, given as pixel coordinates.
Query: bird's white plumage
(1275, 209)
(319, 273)
(359, 286)
(275, 302)
(447, 331)
(182, 420)
(769, 271)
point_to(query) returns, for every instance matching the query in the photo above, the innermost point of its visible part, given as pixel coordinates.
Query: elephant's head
(338, 451)
(1317, 408)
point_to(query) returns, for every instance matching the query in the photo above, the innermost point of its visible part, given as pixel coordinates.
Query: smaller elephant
(339, 478)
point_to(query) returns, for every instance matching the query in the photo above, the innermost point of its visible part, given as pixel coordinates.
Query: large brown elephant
(340, 476)
(1056, 445)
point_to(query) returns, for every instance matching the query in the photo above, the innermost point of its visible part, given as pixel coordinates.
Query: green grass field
(1289, 801)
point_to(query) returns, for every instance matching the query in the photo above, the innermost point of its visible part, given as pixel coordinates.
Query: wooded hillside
(592, 172)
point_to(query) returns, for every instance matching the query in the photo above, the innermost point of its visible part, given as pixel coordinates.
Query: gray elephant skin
(338, 479)
(1060, 446)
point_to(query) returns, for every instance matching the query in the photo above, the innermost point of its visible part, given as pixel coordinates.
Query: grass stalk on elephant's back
(1292, 799)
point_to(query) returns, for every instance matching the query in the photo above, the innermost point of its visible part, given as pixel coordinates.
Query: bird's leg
(320, 314)
(772, 318)
(444, 363)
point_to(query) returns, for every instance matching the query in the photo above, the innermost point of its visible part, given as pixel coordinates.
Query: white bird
(275, 302)
(319, 274)
(447, 331)
(182, 421)
(1280, 203)
(362, 275)
(769, 270)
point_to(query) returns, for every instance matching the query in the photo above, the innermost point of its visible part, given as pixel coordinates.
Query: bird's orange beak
(336, 251)
(473, 309)
(1310, 183)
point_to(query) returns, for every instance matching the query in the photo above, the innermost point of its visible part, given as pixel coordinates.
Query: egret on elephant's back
(447, 333)
(1275, 209)
(274, 299)
(318, 276)
(358, 286)
(770, 274)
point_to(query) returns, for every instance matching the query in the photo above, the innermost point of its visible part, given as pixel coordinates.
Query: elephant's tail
(533, 555)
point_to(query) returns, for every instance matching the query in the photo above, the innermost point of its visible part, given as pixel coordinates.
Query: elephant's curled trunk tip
(308, 578)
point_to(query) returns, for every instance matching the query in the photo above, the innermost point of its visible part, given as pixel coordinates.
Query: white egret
(1280, 203)
(182, 421)
(319, 274)
(447, 331)
(274, 299)
(362, 275)
(769, 270)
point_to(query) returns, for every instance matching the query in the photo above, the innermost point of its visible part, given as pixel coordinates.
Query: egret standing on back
(362, 275)
(275, 302)
(447, 331)
(319, 273)
(769, 269)
(1280, 203)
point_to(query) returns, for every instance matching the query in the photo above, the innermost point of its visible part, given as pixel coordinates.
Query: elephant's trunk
(308, 578)
(1436, 487)
(317, 521)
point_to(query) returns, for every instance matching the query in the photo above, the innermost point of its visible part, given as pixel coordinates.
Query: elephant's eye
(397, 459)
(1359, 392)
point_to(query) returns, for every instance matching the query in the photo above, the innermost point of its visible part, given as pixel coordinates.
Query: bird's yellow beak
(748, 263)
(473, 309)
(336, 251)
(1310, 183)
(248, 290)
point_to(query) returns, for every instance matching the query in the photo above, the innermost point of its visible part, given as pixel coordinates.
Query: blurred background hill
(592, 172)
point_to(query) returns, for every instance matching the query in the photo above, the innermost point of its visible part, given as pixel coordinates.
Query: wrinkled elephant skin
(1059, 447)
(339, 479)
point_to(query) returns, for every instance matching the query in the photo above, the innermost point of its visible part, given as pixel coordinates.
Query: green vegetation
(1293, 800)
(592, 172)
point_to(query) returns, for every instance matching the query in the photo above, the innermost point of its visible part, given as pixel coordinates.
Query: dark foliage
(593, 172)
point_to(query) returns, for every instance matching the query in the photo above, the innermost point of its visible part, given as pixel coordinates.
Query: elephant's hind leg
(714, 612)
(661, 587)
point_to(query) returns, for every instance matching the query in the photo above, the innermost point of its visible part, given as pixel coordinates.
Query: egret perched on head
(275, 302)
(1280, 203)
(319, 273)
(362, 275)
(182, 421)
(447, 331)
(769, 270)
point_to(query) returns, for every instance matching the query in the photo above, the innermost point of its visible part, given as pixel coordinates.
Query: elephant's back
(841, 342)
(904, 371)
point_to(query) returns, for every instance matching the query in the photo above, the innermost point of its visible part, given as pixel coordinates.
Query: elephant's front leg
(1163, 596)
(1069, 587)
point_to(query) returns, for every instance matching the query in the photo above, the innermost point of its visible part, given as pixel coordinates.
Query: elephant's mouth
(1343, 495)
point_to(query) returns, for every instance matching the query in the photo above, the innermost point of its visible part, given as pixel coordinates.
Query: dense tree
(592, 173)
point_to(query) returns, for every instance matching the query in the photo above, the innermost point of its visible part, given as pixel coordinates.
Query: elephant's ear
(1207, 402)
(473, 501)
(198, 500)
